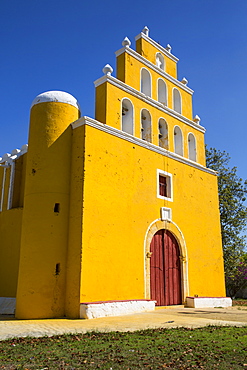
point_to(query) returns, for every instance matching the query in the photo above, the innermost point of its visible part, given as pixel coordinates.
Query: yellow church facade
(114, 214)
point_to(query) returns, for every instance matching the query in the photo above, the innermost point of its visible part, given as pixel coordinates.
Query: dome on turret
(56, 96)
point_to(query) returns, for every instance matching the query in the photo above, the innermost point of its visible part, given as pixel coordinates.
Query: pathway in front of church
(160, 318)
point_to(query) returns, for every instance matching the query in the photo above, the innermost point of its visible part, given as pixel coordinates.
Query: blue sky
(63, 45)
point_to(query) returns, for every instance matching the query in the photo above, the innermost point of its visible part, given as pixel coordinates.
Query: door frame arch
(177, 233)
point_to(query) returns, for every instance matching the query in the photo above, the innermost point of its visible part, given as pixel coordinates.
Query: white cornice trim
(137, 141)
(3, 189)
(155, 68)
(11, 185)
(158, 46)
(130, 90)
(8, 159)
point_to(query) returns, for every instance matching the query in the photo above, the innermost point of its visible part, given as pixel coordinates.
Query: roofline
(157, 45)
(140, 58)
(130, 90)
(135, 140)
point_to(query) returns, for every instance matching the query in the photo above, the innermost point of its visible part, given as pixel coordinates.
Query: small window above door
(164, 185)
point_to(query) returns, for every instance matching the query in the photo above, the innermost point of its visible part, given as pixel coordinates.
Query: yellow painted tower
(115, 213)
(41, 284)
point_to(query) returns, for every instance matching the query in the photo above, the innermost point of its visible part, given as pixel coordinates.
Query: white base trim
(7, 306)
(203, 302)
(94, 310)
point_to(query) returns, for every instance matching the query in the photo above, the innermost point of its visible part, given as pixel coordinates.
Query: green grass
(181, 348)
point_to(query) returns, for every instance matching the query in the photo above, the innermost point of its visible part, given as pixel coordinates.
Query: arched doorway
(165, 270)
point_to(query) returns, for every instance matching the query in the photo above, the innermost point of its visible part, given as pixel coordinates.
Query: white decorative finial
(24, 148)
(197, 119)
(107, 70)
(145, 31)
(168, 48)
(6, 157)
(126, 42)
(15, 152)
(184, 81)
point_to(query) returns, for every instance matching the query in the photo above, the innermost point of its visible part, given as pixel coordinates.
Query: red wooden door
(165, 269)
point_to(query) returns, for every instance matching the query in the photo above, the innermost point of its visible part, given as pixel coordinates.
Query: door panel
(165, 272)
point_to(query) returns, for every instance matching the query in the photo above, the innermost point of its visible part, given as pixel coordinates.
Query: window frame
(145, 113)
(162, 60)
(169, 182)
(176, 142)
(177, 100)
(164, 90)
(132, 114)
(162, 122)
(192, 147)
(145, 82)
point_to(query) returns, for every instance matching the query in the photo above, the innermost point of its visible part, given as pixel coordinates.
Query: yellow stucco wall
(148, 51)
(10, 234)
(73, 274)
(112, 116)
(129, 71)
(19, 181)
(113, 235)
(41, 292)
